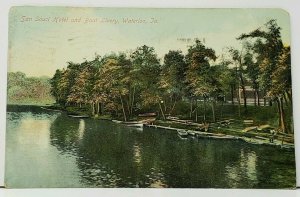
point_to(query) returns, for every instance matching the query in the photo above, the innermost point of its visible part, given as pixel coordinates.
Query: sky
(43, 39)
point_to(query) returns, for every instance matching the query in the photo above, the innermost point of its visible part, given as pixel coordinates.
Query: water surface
(50, 149)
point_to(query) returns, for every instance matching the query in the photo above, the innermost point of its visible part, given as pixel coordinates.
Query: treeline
(129, 84)
(28, 90)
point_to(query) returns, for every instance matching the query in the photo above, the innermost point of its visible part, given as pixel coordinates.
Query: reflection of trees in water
(16, 113)
(275, 168)
(206, 163)
(243, 173)
(13, 119)
(112, 155)
(193, 163)
(105, 155)
(262, 167)
(151, 159)
(64, 134)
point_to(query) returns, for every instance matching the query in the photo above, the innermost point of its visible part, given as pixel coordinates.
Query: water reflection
(64, 134)
(137, 153)
(104, 154)
(243, 171)
(81, 128)
(30, 159)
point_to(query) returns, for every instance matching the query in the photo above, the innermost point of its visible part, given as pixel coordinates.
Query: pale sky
(38, 48)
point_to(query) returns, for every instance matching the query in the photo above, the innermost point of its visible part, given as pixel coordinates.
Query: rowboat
(138, 125)
(182, 133)
(192, 133)
(56, 110)
(116, 121)
(78, 116)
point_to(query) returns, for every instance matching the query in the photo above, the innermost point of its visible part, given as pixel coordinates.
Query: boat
(147, 115)
(192, 133)
(78, 116)
(117, 121)
(45, 108)
(227, 137)
(138, 125)
(130, 122)
(182, 133)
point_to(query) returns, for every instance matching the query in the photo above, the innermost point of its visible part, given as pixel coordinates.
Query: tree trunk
(165, 106)
(257, 94)
(123, 109)
(196, 113)
(285, 100)
(204, 105)
(93, 109)
(281, 115)
(133, 97)
(242, 83)
(191, 108)
(101, 108)
(171, 112)
(265, 100)
(232, 94)
(213, 110)
(162, 112)
(222, 104)
(128, 108)
(289, 95)
(244, 92)
(239, 102)
(98, 107)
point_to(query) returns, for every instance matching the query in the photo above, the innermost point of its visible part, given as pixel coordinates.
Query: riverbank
(257, 140)
(229, 129)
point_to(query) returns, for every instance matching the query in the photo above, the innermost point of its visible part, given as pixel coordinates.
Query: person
(272, 136)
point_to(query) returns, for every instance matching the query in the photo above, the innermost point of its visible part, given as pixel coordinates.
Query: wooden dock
(200, 134)
(160, 127)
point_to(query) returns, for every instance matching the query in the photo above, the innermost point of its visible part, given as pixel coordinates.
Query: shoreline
(257, 140)
(209, 135)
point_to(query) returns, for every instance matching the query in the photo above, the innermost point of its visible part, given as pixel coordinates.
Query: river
(50, 149)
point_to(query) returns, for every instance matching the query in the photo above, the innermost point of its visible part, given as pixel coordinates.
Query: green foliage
(273, 60)
(28, 90)
(198, 79)
(190, 86)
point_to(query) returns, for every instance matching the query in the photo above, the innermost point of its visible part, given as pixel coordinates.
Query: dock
(201, 134)
(78, 116)
(198, 134)
(160, 127)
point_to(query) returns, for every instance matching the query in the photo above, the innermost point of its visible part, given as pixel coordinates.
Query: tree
(253, 73)
(145, 76)
(274, 64)
(173, 76)
(238, 60)
(112, 84)
(54, 86)
(197, 74)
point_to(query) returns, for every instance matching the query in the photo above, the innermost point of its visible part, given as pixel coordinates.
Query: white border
(292, 6)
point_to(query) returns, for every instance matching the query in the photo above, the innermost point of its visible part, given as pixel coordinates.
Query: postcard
(149, 98)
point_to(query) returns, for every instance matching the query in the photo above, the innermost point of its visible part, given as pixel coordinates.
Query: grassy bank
(261, 115)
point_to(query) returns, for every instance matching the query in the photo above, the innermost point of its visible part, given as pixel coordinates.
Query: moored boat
(45, 108)
(182, 133)
(78, 116)
(117, 121)
(191, 133)
(139, 125)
